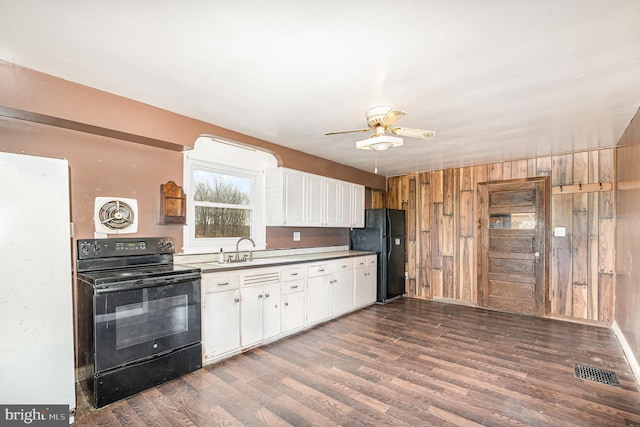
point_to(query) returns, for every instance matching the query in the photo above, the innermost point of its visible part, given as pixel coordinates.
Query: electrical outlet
(296, 236)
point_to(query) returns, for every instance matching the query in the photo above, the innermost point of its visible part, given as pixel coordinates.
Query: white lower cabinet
(220, 315)
(249, 307)
(292, 308)
(292, 311)
(260, 313)
(319, 294)
(260, 305)
(365, 282)
(342, 287)
(329, 289)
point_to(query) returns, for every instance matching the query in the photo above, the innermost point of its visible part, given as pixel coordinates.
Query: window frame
(228, 244)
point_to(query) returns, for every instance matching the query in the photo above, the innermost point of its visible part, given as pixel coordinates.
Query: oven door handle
(145, 283)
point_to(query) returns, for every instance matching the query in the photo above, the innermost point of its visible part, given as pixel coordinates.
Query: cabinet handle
(294, 274)
(266, 295)
(260, 296)
(223, 284)
(294, 287)
(321, 270)
(236, 300)
(286, 304)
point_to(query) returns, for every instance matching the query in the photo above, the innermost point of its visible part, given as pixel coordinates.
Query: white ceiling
(496, 79)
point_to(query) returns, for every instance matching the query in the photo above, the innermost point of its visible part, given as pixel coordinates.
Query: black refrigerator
(384, 233)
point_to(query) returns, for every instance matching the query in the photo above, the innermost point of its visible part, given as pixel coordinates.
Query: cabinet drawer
(343, 264)
(292, 286)
(318, 270)
(219, 282)
(372, 260)
(293, 273)
(360, 262)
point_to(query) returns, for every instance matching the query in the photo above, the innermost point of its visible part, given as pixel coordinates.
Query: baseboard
(626, 348)
(455, 301)
(580, 321)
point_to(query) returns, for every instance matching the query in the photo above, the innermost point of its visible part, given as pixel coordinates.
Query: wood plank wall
(441, 231)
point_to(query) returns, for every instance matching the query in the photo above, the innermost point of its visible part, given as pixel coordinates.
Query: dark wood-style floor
(408, 363)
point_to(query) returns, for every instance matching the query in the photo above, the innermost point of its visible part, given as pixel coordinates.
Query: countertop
(215, 267)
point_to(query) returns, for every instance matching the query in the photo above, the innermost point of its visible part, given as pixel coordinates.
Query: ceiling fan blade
(413, 133)
(348, 131)
(392, 116)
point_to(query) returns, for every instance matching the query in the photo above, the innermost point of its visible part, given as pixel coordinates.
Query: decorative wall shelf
(173, 204)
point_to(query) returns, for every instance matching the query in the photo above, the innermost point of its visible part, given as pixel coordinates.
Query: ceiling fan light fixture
(379, 143)
(413, 133)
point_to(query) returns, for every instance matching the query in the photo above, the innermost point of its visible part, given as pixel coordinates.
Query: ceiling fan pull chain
(375, 161)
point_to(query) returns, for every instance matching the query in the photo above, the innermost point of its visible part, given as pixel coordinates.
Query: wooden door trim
(482, 260)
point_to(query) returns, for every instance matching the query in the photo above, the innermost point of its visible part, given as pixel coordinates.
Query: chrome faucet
(250, 252)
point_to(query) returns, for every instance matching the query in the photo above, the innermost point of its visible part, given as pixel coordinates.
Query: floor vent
(595, 374)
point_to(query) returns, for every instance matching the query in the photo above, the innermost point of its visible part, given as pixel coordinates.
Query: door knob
(536, 257)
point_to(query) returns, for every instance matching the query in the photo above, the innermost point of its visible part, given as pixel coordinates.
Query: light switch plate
(296, 236)
(560, 231)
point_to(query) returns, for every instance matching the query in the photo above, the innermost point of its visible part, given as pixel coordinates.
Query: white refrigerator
(36, 302)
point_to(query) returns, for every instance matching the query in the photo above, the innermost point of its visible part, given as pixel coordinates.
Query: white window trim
(258, 221)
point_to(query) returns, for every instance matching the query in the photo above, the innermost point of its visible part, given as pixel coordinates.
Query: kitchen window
(225, 191)
(223, 202)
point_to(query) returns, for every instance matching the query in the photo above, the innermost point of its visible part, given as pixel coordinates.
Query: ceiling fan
(380, 120)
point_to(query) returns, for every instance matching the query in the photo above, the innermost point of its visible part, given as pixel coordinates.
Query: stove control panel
(115, 247)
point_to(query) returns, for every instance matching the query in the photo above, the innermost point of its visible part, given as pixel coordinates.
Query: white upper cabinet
(332, 202)
(357, 206)
(286, 197)
(345, 203)
(315, 201)
(295, 195)
(301, 199)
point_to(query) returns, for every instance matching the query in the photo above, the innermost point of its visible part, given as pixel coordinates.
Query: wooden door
(513, 274)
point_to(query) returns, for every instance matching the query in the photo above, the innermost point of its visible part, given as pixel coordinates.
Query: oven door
(137, 324)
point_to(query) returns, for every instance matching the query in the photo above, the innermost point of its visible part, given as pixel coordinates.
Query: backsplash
(269, 253)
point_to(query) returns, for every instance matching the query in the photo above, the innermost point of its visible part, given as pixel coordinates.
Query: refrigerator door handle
(387, 218)
(389, 247)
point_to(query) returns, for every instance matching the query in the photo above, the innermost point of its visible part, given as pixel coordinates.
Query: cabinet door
(342, 292)
(221, 323)
(315, 200)
(332, 202)
(295, 197)
(372, 279)
(344, 204)
(361, 292)
(319, 300)
(251, 315)
(270, 310)
(292, 311)
(357, 206)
